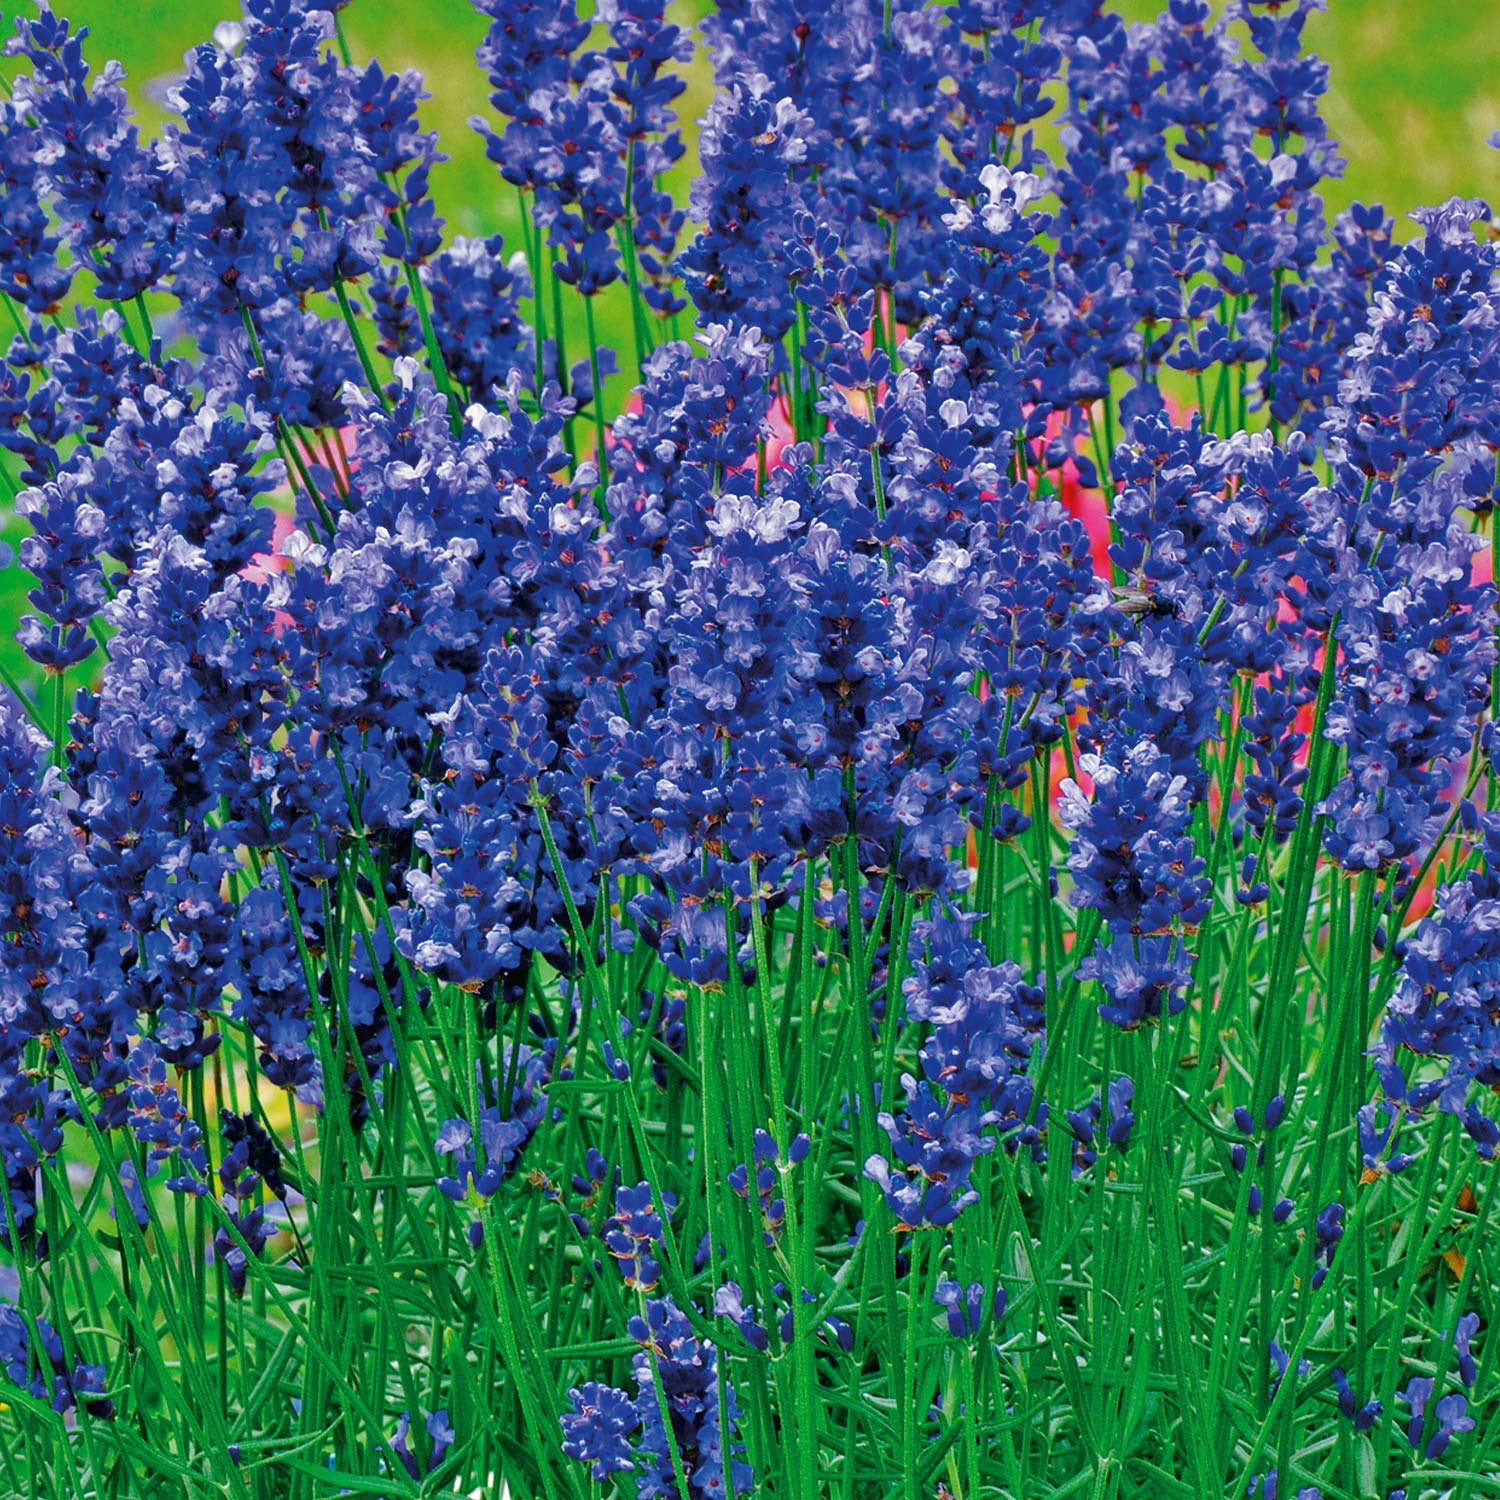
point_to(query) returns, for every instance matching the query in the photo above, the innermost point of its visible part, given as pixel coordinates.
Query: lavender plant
(906, 908)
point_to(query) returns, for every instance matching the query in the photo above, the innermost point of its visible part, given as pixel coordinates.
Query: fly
(1134, 601)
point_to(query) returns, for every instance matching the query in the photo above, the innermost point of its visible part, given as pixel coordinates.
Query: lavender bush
(911, 909)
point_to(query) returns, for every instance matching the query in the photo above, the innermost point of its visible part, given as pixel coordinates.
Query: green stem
(601, 457)
(365, 362)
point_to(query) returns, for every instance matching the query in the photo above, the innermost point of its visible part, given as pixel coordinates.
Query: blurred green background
(1415, 87)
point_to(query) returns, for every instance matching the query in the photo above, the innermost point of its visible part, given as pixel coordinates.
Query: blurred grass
(1413, 92)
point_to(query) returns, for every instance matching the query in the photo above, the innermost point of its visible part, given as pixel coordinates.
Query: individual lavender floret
(1379, 1121)
(104, 186)
(475, 294)
(1463, 1338)
(1084, 1124)
(752, 144)
(1445, 997)
(1143, 978)
(251, 1161)
(1121, 1116)
(1131, 858)
(59, 1386)
(668, 1015)
(1453, 1420)
(590, 1186)
(833, 1327)
(1417, 392)
(440, 1436)
(967, 1307)
(729, 1302)
(676, 1372)
(600, 1429)
(1281, 1362)
(767, 1178)
(935, 1148)
(633, 1235)
(504, 1134)
(249, 1225)
(31, 269)
(986, 1027)
(1328, 1230)
(1451, 1413)
(47, 985)
(1263, 1487)
(1418, 645)
(1363, 1417)
(1415, 1397)
(643, 44)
